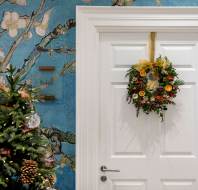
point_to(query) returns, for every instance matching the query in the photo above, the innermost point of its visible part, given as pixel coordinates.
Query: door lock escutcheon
(103, 178)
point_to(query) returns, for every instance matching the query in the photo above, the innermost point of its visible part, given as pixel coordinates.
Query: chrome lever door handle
(104, 169)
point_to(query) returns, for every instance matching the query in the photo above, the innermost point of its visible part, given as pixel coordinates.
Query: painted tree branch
(2, 1)
(61, 135)
(67, 160)
(68, 68)
(129, 2)
(122, 2)
(2, 32)
(21, 37)
(158, 2)
(35, 54)
(56, 50)
(57, 137)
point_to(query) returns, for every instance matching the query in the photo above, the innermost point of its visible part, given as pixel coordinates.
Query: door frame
(91, 22)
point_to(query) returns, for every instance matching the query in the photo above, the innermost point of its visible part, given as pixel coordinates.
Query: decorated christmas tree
(26, 157)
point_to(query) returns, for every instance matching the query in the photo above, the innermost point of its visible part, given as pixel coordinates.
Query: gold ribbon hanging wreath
(153, 84)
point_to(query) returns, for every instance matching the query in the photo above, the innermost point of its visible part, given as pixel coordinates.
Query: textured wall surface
(61, 112)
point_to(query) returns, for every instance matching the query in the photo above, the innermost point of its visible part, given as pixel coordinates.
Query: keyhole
(103, 178)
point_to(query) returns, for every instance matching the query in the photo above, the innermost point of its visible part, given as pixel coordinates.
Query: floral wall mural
(38, 37)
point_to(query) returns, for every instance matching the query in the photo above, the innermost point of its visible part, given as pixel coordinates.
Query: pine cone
(29, 171)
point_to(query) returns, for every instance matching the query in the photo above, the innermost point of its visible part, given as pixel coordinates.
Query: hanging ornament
(153, 84)
(5, 152)
(33, 121)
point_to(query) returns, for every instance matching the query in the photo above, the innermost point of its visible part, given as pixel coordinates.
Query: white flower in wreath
(135, 96)
(19, 2)
(134, 79)
(12, 22)
(34, 121)
(41, 28)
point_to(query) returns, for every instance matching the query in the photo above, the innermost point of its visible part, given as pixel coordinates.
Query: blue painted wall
(60, 113)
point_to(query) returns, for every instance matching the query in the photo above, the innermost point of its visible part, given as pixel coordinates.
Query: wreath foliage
(153, 85)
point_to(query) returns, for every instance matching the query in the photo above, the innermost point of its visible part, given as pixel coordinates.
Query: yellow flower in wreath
(143, 64)
(168, 87)
(142, 73)
(141, 93)
(163, 62)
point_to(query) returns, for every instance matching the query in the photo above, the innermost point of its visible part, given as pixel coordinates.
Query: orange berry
(168, 87)
(141, 93)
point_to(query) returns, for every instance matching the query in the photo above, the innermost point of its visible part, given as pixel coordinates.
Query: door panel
(150, 154)
(128, 185)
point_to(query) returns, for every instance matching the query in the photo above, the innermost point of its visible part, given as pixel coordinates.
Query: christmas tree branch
(21, 37)
(35, 54)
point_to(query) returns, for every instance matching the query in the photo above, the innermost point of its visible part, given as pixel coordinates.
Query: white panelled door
(144, 153)
(150, 155)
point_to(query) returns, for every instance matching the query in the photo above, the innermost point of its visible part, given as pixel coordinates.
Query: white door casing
(149, 154)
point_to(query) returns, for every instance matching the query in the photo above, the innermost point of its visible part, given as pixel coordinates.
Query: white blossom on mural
(41, 28)
(12, 22)
(19, 2)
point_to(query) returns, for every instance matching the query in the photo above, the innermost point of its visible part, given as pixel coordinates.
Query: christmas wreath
(153, 85)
